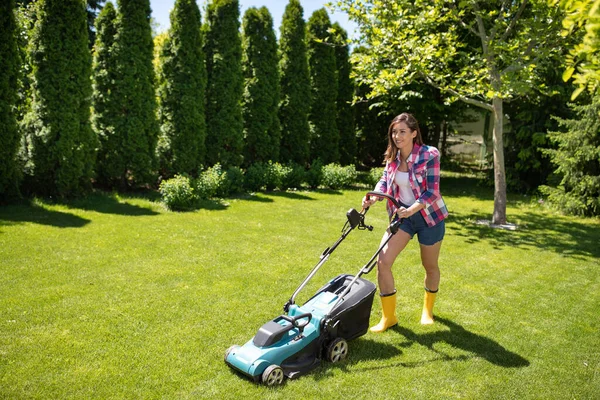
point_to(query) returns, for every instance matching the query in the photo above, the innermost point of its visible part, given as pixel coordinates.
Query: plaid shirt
(424, 179)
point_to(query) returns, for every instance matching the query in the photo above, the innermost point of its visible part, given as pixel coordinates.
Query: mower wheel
(273, 375)
(230, 349)
(337, 350)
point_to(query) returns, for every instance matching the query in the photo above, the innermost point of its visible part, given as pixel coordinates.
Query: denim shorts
(427, 235)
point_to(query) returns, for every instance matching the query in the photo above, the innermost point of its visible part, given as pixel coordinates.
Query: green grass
(115, 297)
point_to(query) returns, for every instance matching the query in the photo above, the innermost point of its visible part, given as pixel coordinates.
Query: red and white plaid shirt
(424, 178)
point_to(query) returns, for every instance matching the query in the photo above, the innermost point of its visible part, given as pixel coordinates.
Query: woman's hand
(368, 201)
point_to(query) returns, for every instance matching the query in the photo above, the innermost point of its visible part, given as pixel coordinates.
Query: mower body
(297, 341)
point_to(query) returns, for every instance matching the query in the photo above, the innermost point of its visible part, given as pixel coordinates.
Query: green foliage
(223, 51)
(583, 63)
(337, 177)
(373, 176)
(294, 176)
(324, 135)
(255, 177)
(9, 134)
(209, 181)
(104, 71)
(60, 141)
(294, 107)
(260, 102)
(232, 183)
(127, 154)
(182, 77)
(577, 161)
(314, 175)
(178, 193)
(345, 111)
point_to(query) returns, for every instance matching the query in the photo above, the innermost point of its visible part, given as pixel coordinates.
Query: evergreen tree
(104, 72)
(127, 154)
(295, 86)
(577, 161)
(321, 61)
(261, 92)
(61, 144)
(9, 134)
(182, 83)
(345, 111)
(223, 51)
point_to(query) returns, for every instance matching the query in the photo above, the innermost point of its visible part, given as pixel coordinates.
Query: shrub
(177, 193)
(336, 177)
(208, 183)
(315, 174)
(276, 175)
(373, 176)
(255, 177)
(232, 182)
(294, 177)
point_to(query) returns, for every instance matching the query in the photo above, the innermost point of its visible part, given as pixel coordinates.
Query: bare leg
(386, 259)
(429, 258)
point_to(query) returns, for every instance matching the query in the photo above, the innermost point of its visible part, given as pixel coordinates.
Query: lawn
(116, 297)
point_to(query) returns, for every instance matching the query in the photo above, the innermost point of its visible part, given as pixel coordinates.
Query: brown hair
(392, 151)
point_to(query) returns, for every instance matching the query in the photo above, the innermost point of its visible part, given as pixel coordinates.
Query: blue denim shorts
(427, 235)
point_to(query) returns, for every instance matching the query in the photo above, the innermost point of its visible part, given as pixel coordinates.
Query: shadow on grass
(538, 231)
(107, 203)
(289, 195)
(463, 186)
(15, 214)
(459, 337)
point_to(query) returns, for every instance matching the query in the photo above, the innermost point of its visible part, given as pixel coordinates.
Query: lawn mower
(294, 343)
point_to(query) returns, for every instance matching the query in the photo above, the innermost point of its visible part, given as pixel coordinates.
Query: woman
(411, 176)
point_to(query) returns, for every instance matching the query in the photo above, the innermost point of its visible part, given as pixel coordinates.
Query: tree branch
(465, 99)
(514, 21)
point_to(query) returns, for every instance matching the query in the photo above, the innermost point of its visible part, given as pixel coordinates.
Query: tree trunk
(499, 216)
(444, 144)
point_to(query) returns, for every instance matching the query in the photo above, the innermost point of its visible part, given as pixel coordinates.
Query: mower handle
(294, 320)
(385, 195)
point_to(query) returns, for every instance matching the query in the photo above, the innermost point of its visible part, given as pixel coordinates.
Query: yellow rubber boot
(388, 319)
(427, 315)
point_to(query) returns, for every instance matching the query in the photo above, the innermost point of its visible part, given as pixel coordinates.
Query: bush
(255, 178)
(336, 177)
(232, 182)
(373, 176)
(177, 193)
(294, 177)
(315, 174)
(208, 183)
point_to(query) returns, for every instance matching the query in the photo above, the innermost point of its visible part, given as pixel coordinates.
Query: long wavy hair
(392, 150)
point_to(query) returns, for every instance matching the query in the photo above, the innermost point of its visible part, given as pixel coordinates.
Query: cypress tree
(104, 72)
(321, 62)
(345, 93)
(127, 154)
(261, 87)
(61, 142)
(223, 51)
(182, 77)
(9, 134)
(295, 86)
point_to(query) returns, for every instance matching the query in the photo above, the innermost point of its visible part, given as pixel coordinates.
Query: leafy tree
(61, 145)
(127, 154)
(104, 70)
(261, 87)
(294, 106)
(584, 59)
(577, 161)
(321, 61)
(9, 134)
(182, 77)
(435, 41)
(345, 111)
(223, 51)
